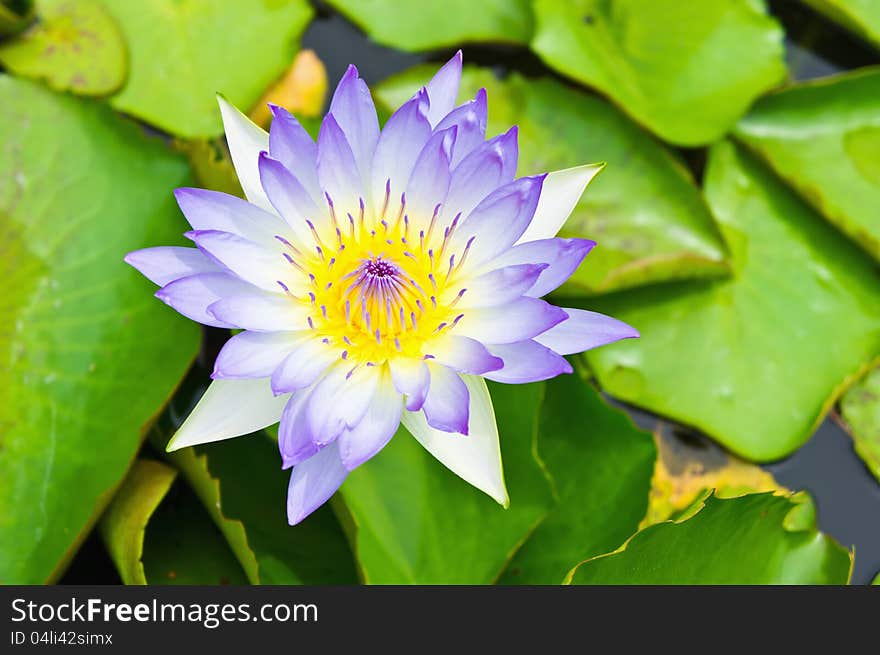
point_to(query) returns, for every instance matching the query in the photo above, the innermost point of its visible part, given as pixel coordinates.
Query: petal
(561, 192)
(470, 120)
(261, 311)
(229, 408)
(247, 260)
(501, 286)
(352, 107)
(475, 458)
(402, 139)
(376, 427)
(303, 366)
(295, 443)
(213, 210)
(191, 296)
(446, 405)
(246, 141)
(254, 354)
(563, 256)
(498, 221)
(584, 330)
(463, 354)
(516, 321)
(164, 264)
(527, 361)
(486, 168)
(290, 200)
(313, 482)
(429, 181)
(337, 171)
(411, 378)
(443, 89)
(290, 144)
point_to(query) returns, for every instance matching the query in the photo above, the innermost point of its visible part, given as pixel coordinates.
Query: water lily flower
(378, 277)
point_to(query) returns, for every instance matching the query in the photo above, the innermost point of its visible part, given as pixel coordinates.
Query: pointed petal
(247, 260)
(295, 442)
(518, 320)
(475, 458)
(446, 405)
(462, 354)
(337, 170)
(562, 256)
(246, 141)
(290, 144)
(192, 295)
(254, 354)
(261, 311)
(411, 378)
(376, 427)
(583, 330)
(429, 181)
(561, 192)
(213, 210)
(489, 166)
(500, 286)
(164, 264)
(527, 361)
(352, 107)
(443, 89)
(229, 408)
(470, 120)
(313, 482)
(290, 200)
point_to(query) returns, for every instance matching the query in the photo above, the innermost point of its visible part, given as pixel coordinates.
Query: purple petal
(260, 311)
(191, 296)
(501, 286)
(470, 120)
(446, 406)
(164, 264)
(290, 144)
(519, 320)
(313, 482)
(212, 210)
(527, 361)
(489, 166)
(443, 89)
(352, 107)
(247, 260)
(337, 170)
(584, 330)
(303, 366)
(254, 354)
(339, 401)
(411, 378)
(498, 221)
(429, 182)
(562, 255)
(290, 199)
(295, 443)
(463, 354)
(376, 427)
(401, 141)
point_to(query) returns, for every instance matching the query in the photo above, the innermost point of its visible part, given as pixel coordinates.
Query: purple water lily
(378, 278)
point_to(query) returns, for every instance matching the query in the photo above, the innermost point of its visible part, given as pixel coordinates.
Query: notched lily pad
(860, 411)
(74, 45)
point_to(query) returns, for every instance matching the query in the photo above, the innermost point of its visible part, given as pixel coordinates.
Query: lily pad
(81, 333)
(412, 521)
(823, 138)
(757, 360)
(861, 17)
(15, 16)
(431, 24)
(860, 410)
(184, 52)
(686, 70)
(242, 486)
(741, 541)
(74, 46)
(644, 211)
(600, 465)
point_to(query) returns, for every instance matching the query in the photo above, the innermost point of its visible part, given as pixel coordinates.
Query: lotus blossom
(377, 277)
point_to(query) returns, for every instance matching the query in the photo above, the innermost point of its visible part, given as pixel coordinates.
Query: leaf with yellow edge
(860, 414)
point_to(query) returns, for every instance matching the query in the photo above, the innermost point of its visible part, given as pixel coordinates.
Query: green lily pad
(431, 24)
(412, 521)
(15, 15)
(600, 465)
(242, 486)
(686, 70)
(754, 361)
(742, 541)
(823, 138)
(185, 52)
(74, 46)
(860, 410)
(648, 217)
(861, 17)
(155, 537)
(81, 332)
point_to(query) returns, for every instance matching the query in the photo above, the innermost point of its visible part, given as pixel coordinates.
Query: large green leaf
(184, 52)
(75, 46)
(415, 522)
(860, 16)
(241, 484)
(754, 361)
(645, 212)
(430, 24)
(687, 70)
(88, 355)
(600, 465)
(860, 410)
(746, 541)
(823, 137)
(155, 537)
